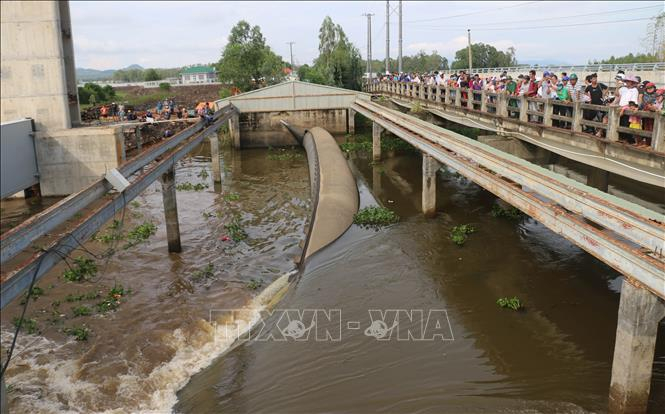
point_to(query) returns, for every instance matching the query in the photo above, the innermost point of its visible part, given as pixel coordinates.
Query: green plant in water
(80, 333)
(35, 293)
(140, 234)
(510, 212)
(510, 303)
(135, 204)
(459, 233)
(187, 186)
(112, 300)
(232, 197)
(203, 174)
(207, 272)
(283, 154)
(254, 284)
(82, 310)
(27, 325)
(84, 269)
(236, 232)
(375, 217)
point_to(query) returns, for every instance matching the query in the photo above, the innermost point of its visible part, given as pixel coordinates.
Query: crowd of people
(630, 92)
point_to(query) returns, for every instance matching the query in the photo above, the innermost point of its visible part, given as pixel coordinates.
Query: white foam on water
(53, 386)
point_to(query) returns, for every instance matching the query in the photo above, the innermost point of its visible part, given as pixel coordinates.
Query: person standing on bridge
(532, 92)
(595, 93)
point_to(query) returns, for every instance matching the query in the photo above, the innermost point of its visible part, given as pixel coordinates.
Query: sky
(111, 35)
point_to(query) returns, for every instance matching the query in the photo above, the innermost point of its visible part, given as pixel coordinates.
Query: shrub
(459, 233)
(375, 217)
(165, 86)
(510, 303)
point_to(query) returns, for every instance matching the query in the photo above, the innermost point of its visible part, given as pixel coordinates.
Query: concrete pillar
(598, 178)
(215, 159)
(376, 141)
(377, 173)
(351, 119)
(139, 138)
(430, 167)
(171, 211)
(234, 130)
(640, 311)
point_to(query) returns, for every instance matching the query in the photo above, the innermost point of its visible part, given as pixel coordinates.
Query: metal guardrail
(568, 202)
(606, 67)
(20, 237)
(540, 113)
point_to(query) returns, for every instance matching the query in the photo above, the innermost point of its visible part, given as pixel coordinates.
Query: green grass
(35, 293)
(510, 303)
(83, 270)
(206, 273)
(139, 234)
(231, 197)
(236, 232)
(459, 233)
(254, 284)
(283, 154)
(375, 217)
(203, 174)
(82, 310)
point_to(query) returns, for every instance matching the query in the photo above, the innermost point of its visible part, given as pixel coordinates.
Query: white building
(198, 74)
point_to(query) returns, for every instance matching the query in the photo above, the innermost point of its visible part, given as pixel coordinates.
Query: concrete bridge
(543, 127)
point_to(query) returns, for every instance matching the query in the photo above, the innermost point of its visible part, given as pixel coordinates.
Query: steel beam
(20, 237)
(627, 259)
(19, 279)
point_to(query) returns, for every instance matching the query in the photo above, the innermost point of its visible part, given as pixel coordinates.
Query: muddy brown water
(553, 357)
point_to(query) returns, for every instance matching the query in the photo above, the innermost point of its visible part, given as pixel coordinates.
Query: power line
(473, 13)
(551, 18)
(547, 27)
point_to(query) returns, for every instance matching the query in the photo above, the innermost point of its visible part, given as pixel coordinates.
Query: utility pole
(387, 36)
(399, 51)
(470, 61)
(291, 49)
(369, 45)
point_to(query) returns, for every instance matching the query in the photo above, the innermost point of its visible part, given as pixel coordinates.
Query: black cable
(25, 308)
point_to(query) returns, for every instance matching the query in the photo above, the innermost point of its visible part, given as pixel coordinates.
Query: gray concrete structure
(38, 72)
(430, 167)
(376, 141)
(18, 159)
(215, 159)
(171, 210)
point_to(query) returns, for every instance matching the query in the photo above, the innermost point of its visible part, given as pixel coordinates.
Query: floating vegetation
(187, 186)
(35, 293)
(80, 333)
(283, 154)
(254, 284)
(206, 273)
(112, 300)
(84, 269)
(140, 234)
(82, 310)
(375, 217)
(359, 144)
(510, 303)
(82, 296)
(363, 143)
(236, 232)
(510, 212)
(203, 174)
(231, 197)
(26, 325)
(459, 233)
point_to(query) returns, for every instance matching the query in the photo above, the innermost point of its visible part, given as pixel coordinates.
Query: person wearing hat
(626, 94)
(647, 102)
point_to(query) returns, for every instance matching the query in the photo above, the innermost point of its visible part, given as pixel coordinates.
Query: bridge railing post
(469, 98)
(458, 97)
(438, 94)
(577, 117)
(524, 107)
(548, 110)
(658, 133)
(502, 105)
(421, 90)
(446, 97)
(613, 117)
(483, 100)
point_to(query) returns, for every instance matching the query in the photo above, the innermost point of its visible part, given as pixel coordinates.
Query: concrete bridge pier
(215, 159)
(640, 312)
(377, 173)
(171, 211)
(376, 141)
(430, 167)
(351, 120)
(234, 130)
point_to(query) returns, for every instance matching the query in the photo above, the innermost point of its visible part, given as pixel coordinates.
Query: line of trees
(144, 75)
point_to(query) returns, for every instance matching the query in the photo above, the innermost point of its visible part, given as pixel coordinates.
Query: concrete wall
(263, 129)
(69, 160)
(37, 71)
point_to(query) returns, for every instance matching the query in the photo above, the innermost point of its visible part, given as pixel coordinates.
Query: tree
(484, 56)
(247, 60)
(338, 63)
(151, 75)
(629, 58)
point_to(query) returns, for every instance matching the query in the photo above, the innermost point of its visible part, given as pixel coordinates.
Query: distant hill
(84, 74)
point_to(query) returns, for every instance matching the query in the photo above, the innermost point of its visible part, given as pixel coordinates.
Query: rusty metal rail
(633, 237)
(14, 241)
